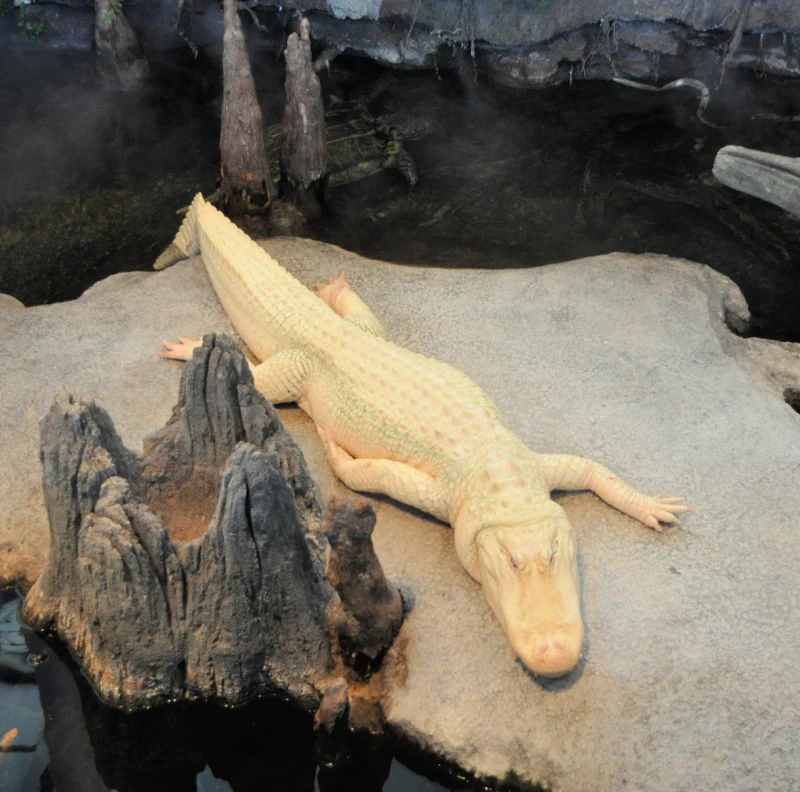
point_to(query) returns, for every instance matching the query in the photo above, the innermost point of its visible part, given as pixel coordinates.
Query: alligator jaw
(770, 177)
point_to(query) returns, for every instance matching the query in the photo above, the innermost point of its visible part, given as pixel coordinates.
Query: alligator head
(771, 177)
(529, 574)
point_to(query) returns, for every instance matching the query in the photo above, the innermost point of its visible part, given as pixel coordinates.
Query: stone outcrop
(164, 590)
(534, 44)
(514, 42)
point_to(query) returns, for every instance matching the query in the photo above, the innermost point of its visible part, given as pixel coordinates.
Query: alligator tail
(185, 243)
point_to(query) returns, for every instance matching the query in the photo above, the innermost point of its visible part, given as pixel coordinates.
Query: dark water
(68, 741)
(508, 178)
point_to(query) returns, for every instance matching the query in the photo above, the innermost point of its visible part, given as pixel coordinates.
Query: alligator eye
(555, 547)
(513, 559)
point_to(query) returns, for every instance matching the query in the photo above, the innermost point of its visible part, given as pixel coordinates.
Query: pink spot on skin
(544, 647)
(560, 646)
(610, 478)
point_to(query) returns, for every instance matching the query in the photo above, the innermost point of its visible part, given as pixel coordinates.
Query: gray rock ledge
(690, 678)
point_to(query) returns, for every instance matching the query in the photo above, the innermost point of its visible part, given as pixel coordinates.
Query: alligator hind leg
(395, 479)
(339, 295)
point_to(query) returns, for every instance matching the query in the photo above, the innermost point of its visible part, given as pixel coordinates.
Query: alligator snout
(552, 656)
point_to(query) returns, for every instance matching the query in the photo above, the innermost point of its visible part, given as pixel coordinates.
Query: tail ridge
(185, 243)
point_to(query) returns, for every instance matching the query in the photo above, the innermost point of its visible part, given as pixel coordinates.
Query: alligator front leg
(282, 377)
(386, 476)
(180, 350)
(279, 379)
(339, 295)
(566, 472)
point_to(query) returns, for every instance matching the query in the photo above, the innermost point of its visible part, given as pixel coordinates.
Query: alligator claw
(180, 350)
(658, 510)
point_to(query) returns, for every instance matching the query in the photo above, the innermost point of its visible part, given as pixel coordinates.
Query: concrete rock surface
(689, 678)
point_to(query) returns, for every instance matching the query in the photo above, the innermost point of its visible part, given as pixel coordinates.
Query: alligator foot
(180, 350)
(336, 454)
(338, 295)
(654, 511)
(330, 292)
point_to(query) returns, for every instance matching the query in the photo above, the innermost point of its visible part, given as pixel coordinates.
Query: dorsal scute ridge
(233, 255)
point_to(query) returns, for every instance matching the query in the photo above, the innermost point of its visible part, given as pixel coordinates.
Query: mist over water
(508, 177)
(61, 132)
(513, 178)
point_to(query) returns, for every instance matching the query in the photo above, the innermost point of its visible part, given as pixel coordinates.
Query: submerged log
(771, 177)
(164, 591)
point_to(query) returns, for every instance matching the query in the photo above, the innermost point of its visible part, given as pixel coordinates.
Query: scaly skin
(411, 427)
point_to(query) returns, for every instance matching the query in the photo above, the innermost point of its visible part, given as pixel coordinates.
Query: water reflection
(24, 756)
(58, 736)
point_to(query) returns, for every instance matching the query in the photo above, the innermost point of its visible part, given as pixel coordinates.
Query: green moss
(116, 9)
(28, 26)
(54, 248)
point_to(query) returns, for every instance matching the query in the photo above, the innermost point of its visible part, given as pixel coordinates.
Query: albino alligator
(396, 422)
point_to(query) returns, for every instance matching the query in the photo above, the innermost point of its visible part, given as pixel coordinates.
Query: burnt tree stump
(303, 156)
(120, 63)
(200, 569)
(370, 609)
(246, 182)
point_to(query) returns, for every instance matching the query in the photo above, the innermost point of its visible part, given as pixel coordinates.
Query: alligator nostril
(560, 645)
(544, 647)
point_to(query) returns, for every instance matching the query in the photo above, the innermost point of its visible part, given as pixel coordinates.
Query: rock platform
(689, 678)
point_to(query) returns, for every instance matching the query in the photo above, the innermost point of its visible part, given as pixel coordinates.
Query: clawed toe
(336, 454)
(652, 522)
(180, 350)
(667, 517)
(660, 512)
